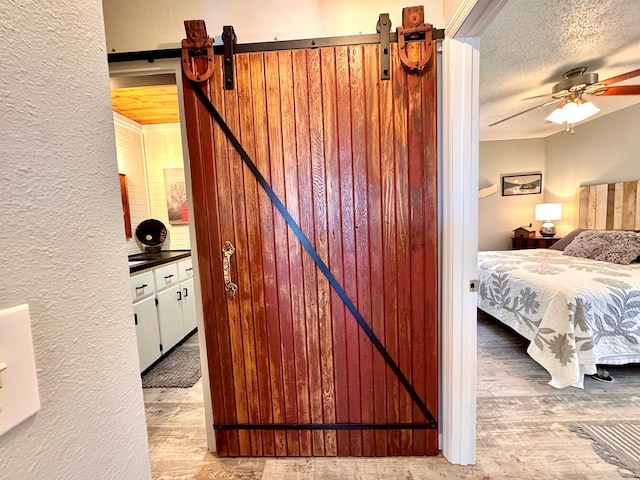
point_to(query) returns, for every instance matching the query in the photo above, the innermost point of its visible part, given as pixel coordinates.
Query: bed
(578, 305)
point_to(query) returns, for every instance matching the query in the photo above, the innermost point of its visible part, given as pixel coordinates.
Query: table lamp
(547, 212)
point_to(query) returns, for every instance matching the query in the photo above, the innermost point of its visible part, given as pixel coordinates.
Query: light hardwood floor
(522, 429)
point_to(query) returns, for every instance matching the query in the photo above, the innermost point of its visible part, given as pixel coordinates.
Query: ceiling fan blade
(619, 90)
(527, 110)
(546, 95)
(620, 78)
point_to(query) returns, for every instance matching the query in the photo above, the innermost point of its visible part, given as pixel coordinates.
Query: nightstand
(532, 242)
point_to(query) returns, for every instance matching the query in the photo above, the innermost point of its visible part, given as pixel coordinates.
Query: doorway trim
(461, 69)
(173, 66)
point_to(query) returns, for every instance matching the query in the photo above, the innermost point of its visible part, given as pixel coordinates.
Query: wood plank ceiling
(149, 104)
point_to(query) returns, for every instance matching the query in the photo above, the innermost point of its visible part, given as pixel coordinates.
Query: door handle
(228, 250)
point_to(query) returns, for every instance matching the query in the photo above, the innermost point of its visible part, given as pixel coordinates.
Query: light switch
(19, 397)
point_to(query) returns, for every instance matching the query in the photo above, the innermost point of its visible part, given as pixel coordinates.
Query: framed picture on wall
(525, 184)
(176, 195)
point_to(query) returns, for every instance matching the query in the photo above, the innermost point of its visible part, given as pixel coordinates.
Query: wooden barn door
(353, 159)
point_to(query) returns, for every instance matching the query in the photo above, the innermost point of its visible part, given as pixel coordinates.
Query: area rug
(616, 443)
(179, 369)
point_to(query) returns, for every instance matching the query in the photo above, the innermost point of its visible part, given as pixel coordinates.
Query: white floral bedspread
(576, 312)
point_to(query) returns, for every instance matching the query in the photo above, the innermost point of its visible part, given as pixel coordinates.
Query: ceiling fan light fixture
(573, 111)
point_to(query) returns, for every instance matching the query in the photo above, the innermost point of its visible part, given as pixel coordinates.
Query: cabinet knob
(179, 295)
(142, 286)
(186, 292)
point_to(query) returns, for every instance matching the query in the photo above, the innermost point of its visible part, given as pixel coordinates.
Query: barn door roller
(414, 29)
(197, 44)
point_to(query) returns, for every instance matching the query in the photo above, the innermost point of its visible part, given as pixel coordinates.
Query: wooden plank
(403, 247)
(313, 361)
(591, 222)
(637, 226)
(320, 221)
(334, 228)
(149, 104)
(257, 108)
(629, 205)
(233, 230)
(601, 206)
(583, 209)
(618, 205)
(352, 329)
(417, 231)
(362, 251)
(278, 116)
(289, 141)
(610, 213)
(389, 247)
(271, 151)
(247, 246)
(234, 402)
(374, 210)
(430, 368)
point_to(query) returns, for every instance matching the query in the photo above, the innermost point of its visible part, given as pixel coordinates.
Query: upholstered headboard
(611, 206)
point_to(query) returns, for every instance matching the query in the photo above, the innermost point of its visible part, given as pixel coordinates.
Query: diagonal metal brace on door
(431, 421)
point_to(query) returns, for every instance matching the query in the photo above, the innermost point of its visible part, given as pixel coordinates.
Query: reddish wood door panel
(353, 159)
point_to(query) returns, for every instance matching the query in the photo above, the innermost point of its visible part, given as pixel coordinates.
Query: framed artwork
(176, 195)
(526, 184)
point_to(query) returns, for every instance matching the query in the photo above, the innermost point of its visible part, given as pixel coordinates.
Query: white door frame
(173, 65)
(461, 68)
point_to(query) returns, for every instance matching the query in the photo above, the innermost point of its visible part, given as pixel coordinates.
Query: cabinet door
(170, 317)
(147, 332)
(188, 306)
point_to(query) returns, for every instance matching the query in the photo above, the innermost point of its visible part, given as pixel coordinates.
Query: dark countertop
(151, 260)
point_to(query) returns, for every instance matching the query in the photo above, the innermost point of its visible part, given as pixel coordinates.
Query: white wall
(62, 248)
(163, 149)
(130, 151)
(144, 151)
(498, 216)
(449, 9)
(603, 150)
(155, 24)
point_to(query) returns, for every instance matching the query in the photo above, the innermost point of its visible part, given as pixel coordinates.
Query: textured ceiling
(530, 44)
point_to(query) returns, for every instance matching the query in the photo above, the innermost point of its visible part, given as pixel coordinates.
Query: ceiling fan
(569, 93)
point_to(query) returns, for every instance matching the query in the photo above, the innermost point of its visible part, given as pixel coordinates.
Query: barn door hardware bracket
(414, 29)
(197, 44)
(384, 29)
(228, 45)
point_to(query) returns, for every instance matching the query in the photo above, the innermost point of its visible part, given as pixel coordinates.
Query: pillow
(613, 246)
(566, 240)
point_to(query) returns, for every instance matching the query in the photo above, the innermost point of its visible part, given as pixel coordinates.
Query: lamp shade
(549, 211)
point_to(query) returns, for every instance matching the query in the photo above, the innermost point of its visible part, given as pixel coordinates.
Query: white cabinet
(187, 295)
(164, 308)
(147, 333)
(170, 317)
(188, 305)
